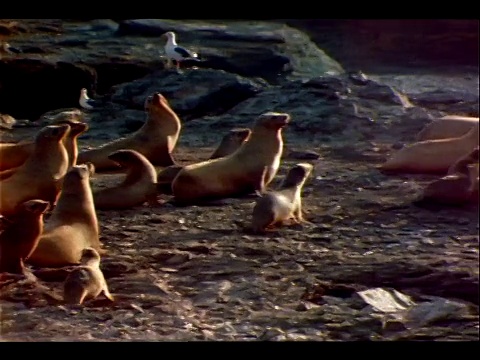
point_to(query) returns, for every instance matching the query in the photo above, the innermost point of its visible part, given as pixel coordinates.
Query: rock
(384, 93)
(7, 121)
(191, 94)
(358, 78)
(387, 301)
(453, 101)
(41, 84)
(304, 155)
(259, 48)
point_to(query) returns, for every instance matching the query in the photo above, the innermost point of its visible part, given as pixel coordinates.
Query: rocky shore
(369, 266)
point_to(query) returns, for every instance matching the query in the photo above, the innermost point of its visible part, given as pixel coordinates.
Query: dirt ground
(192, 273)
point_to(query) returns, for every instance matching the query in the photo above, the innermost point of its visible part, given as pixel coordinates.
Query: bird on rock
(176, 52)
(85, 102)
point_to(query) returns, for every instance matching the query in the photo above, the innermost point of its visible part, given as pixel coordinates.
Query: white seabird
(176, 52)
(85, 102)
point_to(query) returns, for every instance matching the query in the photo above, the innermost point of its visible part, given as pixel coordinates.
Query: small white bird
(85, 102)
(175, 52)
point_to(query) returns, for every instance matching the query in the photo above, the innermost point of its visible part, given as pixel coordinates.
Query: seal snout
(275, 119)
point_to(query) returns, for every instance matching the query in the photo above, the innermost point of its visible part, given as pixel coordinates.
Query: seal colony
(54, 176)
(155, 140)
(239, 173)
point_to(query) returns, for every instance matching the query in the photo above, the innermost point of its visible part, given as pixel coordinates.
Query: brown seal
(73, 225)
(229, 144)
(285, 203)
(449, 126)
(86, 281)
(156, 139)
(238, 173)
(20, 238)
(469, 158)
(70, 141)
(12, 155)
(459, 186)
(432, 156)
(138, 187)
(41, 176)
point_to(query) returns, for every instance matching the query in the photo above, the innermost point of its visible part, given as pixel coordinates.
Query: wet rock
(248, 48)
(193, 93)
(453, 101)
(384, 93)
(304, 155)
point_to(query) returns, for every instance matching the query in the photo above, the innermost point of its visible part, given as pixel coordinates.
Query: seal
(86, 281)
(138, 187)
(228, 145)
(472, 157)
(231, 142)
(41, 176)
(73, 224)
(432, 156)
(275, 207)
(20, 238)
(449, 126)
(458, 186)
(12, 155)
(156, 139)
(70, 141)
(239, 173)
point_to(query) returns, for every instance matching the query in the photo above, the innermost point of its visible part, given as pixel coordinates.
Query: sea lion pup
(458, 187)
(138, 187)
(12, 155)
(155, 140)
(285, 203)
(73, 225)
(229, 144)
(449, 126)
(239, 173)
(20, 238)
(432, 156)
(41, 176)
(86, 281)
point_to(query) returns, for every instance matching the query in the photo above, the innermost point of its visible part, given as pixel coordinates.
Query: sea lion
(20, 238)
(471, 157)
(285, 203)
(238, 173)
(73, 225)
(449, 126)
(138, 187)
(432, 156)
(41, 176)
(12, 155)
(86, 281)
(156, 139)
(458, 187)
(229, 144)
(70, 141)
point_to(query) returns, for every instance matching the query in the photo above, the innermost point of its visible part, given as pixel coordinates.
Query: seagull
(175, 52)
(85, 102)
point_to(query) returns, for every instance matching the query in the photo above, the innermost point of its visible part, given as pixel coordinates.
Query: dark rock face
(193, 93)
(30, 87)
